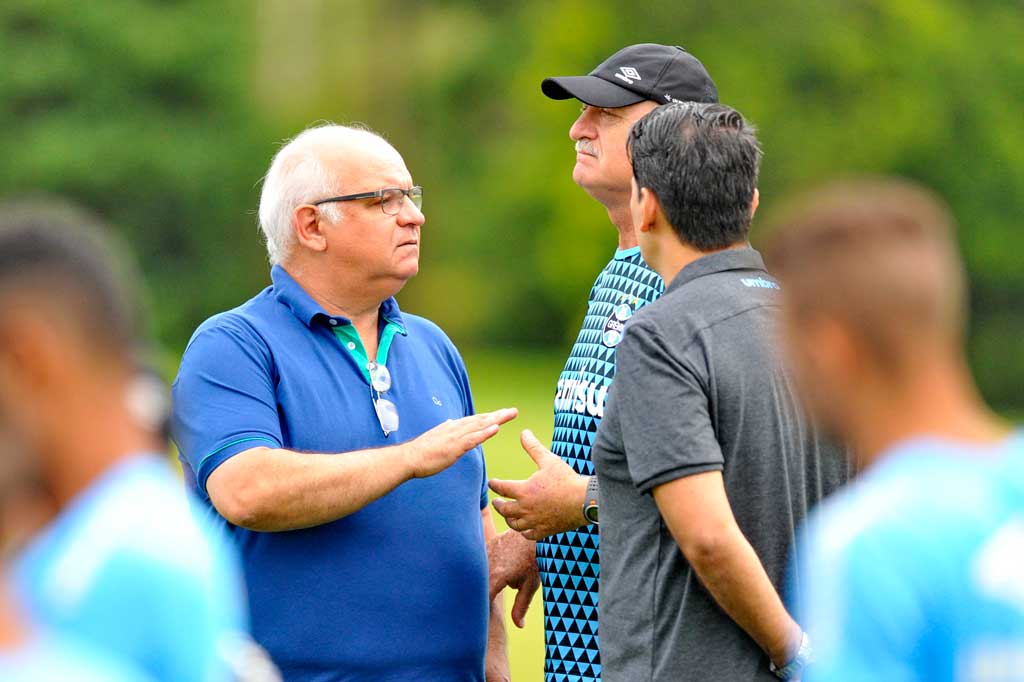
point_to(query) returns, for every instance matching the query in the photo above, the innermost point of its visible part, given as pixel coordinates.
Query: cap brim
(591, 90)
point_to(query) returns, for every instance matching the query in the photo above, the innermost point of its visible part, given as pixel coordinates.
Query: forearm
(697, 512)
(497, 641)
(277, 489)
(496, 663)
(496, 667)
(731, 571)
(274, 489)
(565, 508)
(573, 508)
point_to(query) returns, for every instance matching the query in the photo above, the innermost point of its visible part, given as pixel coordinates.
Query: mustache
(586, 147)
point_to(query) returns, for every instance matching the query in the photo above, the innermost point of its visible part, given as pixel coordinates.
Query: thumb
(537, 452)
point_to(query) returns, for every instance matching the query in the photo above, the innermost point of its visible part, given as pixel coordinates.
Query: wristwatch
(590, 502)
(804, 655)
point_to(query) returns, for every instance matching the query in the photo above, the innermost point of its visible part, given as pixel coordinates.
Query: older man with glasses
(334, 437)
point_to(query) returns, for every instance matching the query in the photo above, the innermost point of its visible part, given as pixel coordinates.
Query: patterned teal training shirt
(569, 561)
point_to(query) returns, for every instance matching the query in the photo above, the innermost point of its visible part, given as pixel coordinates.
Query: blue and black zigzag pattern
(568, 562)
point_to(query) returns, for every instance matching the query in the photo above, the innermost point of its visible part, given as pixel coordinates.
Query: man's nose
(410, 215)
(583, 127)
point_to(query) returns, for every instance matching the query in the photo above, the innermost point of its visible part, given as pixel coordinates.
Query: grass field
(527, 381)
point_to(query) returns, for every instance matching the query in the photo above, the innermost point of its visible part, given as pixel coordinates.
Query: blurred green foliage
(140, 110)
(163, 115)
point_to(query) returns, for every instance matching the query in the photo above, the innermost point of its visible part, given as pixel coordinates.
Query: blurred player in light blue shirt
(62, 660)
(121, 565)
(27, 652)
(916, 570)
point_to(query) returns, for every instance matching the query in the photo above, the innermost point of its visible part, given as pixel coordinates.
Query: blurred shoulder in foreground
(120, 563)
(913, 572)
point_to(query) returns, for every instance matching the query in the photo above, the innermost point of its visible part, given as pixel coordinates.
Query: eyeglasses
(380, 382)
(391, 198)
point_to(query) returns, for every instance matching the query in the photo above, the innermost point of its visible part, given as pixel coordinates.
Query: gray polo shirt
(698, 387)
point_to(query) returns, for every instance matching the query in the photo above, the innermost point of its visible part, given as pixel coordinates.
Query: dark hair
(701, 161)
(61, 256)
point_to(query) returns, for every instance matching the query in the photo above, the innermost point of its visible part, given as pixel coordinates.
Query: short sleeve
(661, 404)
(470, 410)
(224, 400)
(479, 450)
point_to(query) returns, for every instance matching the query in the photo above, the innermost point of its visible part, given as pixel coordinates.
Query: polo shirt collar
(731, 259)
(302, 305)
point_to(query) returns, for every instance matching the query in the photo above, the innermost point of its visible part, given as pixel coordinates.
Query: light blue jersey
(127, 569)
(51, 659)
(916, 571)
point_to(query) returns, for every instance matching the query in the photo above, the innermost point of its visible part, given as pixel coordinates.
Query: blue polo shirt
(395, 591)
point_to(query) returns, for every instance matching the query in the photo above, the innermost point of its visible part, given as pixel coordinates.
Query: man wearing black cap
(558, 506)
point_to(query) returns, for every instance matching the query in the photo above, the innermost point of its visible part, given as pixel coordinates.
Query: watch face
(590, 513)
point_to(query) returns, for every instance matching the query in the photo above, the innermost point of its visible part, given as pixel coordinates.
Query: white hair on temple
(298, 175)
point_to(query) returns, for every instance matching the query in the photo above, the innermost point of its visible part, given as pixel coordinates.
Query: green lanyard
(349, 338)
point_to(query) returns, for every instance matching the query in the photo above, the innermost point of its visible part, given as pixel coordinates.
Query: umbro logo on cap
(628, 74)
(670, 74)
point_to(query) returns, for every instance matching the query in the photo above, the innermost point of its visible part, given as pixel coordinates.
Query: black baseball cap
(662, 73)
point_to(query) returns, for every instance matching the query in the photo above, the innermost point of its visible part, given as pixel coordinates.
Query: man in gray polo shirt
(705, 460)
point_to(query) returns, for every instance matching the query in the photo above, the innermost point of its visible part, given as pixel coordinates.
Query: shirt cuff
(675, 473)
(214, 459)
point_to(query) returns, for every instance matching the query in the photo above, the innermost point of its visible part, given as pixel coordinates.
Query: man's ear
(306, 224)
(755, 202)
(650, 209)
(33, 348)
(838, 351)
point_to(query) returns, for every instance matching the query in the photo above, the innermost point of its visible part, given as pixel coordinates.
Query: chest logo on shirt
(611, 335)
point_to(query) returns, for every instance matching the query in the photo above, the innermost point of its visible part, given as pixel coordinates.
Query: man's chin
(579, 175)
(409, 270)
(584, 179)
(597, 192)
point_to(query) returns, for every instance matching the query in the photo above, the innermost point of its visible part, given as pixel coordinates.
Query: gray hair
(298, 175)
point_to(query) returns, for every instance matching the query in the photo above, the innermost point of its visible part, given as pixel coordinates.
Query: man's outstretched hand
(440, 447)
(548, 502)
(513, 562)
